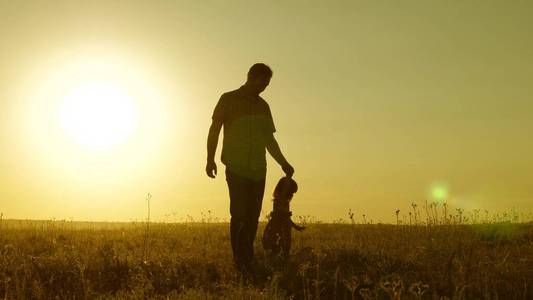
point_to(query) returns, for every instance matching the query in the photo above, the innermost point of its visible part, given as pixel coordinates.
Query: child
(277, 235)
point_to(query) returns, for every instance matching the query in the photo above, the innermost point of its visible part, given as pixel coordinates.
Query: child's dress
(277, 235)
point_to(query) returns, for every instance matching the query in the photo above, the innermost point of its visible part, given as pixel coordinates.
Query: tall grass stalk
(146, 232)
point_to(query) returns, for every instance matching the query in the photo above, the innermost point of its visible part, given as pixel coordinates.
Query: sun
(98, 115)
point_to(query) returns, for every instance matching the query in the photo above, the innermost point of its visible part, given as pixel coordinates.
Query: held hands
(211, 169)
(288, 169)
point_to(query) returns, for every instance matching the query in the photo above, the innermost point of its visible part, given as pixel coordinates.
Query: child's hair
(285, 188)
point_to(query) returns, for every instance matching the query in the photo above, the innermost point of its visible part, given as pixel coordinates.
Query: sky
(377, 104)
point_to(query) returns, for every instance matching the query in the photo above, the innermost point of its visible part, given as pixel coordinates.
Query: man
(248, 130)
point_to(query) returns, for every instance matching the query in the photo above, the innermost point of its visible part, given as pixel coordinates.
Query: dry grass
(192, 260)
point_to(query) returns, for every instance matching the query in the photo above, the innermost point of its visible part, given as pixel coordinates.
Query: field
(192, 260)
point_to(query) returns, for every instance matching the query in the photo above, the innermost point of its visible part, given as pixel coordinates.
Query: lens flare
(439, 192)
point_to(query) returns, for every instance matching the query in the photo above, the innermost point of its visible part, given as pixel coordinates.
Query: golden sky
(377, 104)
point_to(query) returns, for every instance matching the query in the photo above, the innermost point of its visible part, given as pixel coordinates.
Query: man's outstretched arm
(274, 150)
(212, 141)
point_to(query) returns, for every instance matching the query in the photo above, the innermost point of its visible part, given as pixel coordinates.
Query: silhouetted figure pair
(248, 132)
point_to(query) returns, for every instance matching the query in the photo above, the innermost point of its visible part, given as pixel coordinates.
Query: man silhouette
(248, 130)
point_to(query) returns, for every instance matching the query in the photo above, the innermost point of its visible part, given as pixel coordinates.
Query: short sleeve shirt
(248, 124)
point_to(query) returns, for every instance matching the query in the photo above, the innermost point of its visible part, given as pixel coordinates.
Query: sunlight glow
(94, 126)
(98, 115)
(439, 192)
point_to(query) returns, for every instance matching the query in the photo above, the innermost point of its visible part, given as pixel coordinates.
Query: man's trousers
(246, 198)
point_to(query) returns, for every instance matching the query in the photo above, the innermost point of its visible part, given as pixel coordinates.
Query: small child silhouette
(277, 234)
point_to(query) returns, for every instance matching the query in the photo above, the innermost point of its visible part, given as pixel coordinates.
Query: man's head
(259, 77)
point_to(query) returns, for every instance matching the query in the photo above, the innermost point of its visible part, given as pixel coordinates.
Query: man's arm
(212, 141)
(274, 150)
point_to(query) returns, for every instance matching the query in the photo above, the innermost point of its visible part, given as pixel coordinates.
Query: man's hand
(288, 169)
(211, 169)
(212, 140)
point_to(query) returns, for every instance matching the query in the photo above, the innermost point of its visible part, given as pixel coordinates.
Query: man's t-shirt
(248, 124)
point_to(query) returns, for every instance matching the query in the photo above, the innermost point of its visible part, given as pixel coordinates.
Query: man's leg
(255, 201)
(238, 192)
